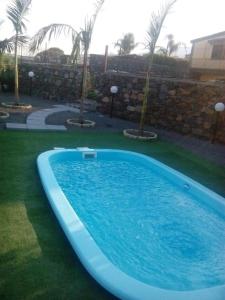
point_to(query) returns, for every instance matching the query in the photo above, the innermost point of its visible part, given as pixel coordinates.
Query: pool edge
(91, 256)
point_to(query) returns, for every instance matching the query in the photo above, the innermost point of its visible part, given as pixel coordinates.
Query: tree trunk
(146, 94)
(84, 86)
(16, 71)
(144, 106)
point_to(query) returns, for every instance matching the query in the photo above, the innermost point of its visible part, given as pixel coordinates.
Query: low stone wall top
(139, 64)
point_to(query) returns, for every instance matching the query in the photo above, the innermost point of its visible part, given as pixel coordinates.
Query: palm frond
(76, 50)
(47, 32)
(89, 24)
(172, 46)
(126, 44)
(86, 33)
(156, 23)
(8, 45)
(98, 6)
(16, 13)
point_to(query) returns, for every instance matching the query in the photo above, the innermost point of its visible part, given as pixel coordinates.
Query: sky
(189, 19)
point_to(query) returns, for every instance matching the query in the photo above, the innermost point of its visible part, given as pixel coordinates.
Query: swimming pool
(141, 229)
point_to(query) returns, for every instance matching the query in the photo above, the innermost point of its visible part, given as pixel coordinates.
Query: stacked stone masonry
(182, 105)
(136, 64)
(53, 82)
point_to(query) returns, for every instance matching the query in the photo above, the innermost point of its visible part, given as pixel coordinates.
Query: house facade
(208, 57)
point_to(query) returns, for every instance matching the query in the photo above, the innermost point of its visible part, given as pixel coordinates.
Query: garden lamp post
(31, 76)
(114, 91)
(219, 107)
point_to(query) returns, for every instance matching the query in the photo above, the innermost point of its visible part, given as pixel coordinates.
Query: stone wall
(54, 82)
(163, 67)
(181, 105)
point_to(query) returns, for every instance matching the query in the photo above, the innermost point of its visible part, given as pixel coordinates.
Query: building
(208, 57)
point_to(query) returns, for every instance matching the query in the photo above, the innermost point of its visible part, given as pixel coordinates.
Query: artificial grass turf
(36, 261)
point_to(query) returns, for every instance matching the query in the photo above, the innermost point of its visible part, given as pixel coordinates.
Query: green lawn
(36, 261)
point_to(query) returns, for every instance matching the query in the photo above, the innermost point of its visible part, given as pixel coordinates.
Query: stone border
(86, 123)
(20, 105)
(4, 116)
(138, 137)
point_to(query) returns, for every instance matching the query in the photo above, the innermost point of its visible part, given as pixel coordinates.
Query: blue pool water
(147, 226)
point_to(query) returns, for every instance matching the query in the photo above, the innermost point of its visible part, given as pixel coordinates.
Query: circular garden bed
(135, 134)
(78, 123)
(4, 115)
(16, 105)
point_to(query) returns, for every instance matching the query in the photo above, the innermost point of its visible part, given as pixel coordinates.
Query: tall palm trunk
(156, 24)
(84, 86)
(146, 95)
(16, 70)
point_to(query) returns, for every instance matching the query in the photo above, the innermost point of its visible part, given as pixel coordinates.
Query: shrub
(92, 95)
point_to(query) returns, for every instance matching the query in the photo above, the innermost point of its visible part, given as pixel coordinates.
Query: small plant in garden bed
(92, 95)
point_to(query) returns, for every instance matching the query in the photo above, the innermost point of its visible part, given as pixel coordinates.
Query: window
(218, 52)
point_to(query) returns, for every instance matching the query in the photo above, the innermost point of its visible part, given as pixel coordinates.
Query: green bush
(7, 79)
(6, 72)
(92, 95)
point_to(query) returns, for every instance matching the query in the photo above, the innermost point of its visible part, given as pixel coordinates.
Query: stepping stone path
(36, 120)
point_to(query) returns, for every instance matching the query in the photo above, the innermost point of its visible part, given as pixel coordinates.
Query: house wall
(201, 60)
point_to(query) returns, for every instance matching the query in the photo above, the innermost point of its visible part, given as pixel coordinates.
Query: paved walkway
(36, 120)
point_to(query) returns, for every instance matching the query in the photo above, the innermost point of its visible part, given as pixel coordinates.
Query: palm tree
(55, 30)
(126, 44)
(16, 12)
(80, 40)
(8, 45)
(171, 46)
(153, 33)
(86, 37)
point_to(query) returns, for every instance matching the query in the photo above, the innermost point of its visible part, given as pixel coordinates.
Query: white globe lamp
(219, 107)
